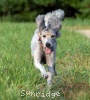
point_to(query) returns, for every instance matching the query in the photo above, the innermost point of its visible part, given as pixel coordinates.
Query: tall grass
(17, 72)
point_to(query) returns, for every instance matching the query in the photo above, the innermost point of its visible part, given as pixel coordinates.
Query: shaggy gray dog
(43, 44)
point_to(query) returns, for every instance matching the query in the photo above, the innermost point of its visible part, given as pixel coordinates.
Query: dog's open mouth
(48, 50)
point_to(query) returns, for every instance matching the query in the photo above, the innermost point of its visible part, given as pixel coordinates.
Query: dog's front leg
(51, 66)
(37, 60)
(41, 68)
(51, 62)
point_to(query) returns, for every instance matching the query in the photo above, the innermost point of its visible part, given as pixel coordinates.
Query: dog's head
(49, 26)
(48, 38)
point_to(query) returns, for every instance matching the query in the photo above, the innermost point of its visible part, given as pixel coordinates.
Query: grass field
(18, 77)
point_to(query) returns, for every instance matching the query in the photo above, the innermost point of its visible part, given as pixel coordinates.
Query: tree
(27, 10)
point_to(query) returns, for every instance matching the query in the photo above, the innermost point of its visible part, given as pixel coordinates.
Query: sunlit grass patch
(17, 70)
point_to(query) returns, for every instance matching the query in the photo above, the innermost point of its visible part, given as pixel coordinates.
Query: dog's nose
(47, 44)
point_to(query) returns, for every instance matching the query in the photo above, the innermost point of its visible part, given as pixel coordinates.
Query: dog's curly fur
(45, 36)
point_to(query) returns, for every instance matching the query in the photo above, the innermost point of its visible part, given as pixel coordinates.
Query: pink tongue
(47, 50)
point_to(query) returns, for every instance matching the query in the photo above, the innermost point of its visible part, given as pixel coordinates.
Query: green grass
(17, 70)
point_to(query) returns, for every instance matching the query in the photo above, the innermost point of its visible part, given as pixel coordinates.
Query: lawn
(19, 78)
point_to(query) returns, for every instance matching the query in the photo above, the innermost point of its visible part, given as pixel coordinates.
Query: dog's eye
(52, 36)
(44, 36)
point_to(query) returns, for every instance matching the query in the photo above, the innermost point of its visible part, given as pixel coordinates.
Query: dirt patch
(82, 30)
(85, 32)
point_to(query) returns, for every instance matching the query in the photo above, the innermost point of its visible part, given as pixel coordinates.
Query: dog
(43, 43)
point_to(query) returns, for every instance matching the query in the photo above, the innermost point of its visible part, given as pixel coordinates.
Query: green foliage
(44, 3)
(27, 10)
(85, 9)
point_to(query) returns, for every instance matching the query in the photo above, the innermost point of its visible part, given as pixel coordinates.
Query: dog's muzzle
(48, 48)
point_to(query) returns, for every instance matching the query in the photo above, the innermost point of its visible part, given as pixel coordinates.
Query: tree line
(27, 10)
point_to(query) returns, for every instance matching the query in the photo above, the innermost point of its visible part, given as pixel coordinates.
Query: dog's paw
(49, 76)
(44, 75)
(49, 79)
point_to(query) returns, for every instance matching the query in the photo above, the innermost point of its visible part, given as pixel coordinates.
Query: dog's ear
(54, 20)
(55, 23)
(60, 14)
(58, 34)
(40, 22)
(41, 26)
(39, 19)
